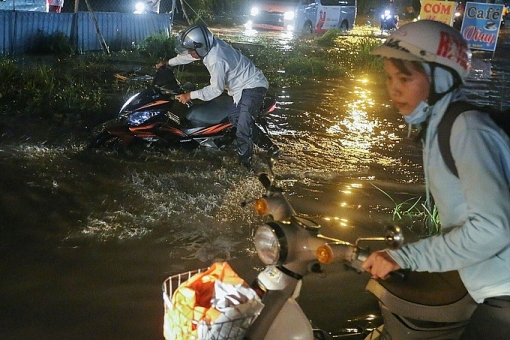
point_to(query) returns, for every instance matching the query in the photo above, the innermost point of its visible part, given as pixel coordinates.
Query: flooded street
(88, 236)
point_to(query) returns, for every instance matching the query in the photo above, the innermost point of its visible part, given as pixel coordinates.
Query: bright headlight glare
(254, 11)
(267, 245)
(288, 16)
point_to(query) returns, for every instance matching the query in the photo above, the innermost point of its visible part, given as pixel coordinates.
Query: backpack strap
(444, 131)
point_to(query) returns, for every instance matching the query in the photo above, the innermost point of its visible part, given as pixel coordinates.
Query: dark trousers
(490, 320)
(243, 116)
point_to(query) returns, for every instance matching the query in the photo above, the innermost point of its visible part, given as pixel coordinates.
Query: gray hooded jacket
(474, 209)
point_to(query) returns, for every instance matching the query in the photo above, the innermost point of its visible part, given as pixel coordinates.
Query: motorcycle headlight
(140, 117)
(270, 244)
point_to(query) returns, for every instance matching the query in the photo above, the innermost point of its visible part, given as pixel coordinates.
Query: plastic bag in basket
(214, 304)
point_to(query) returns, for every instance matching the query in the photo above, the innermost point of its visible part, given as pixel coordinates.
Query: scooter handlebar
(352, 255)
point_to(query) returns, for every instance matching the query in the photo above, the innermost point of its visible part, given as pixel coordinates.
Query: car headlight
(288, 16)
(254, 11)
(270, 244)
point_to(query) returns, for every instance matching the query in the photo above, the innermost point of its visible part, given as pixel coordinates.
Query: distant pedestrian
(55, 6)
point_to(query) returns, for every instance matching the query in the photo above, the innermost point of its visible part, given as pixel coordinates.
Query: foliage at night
(81, 85)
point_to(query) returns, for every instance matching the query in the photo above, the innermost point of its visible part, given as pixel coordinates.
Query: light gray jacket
(474, 209)
(229, 69)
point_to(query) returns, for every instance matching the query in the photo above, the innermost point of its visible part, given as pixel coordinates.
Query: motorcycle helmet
(196, 38)
(431, 42)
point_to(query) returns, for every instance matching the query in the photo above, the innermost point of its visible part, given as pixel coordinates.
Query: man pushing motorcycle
(232, 71)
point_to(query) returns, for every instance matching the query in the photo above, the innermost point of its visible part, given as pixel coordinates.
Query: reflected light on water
(355, 125)
(341, 222)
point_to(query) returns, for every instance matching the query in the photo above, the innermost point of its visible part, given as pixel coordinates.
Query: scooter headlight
(270, 244)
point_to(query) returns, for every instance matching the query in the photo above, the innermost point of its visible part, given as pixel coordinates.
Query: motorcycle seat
(211, 112)
(441, 296)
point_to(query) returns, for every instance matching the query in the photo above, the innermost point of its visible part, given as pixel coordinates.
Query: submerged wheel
(344, 27)
(307, 28)
(104, 139)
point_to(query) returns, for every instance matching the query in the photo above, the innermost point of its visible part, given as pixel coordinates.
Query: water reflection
(356, 123)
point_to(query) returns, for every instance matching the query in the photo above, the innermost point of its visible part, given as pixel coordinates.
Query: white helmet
(197, 38)
(431, 42)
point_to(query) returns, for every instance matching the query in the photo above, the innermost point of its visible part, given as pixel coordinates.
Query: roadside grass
(416, 214)
(42, 85)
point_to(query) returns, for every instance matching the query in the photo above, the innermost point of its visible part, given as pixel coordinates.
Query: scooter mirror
(394, 237)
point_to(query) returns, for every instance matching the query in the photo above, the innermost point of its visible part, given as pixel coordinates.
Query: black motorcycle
(151, 116)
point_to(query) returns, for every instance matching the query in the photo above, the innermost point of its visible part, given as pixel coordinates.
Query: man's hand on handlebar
(379, 264)
(183, 98)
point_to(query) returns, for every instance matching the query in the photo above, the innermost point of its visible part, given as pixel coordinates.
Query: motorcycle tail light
(267, 245)
(261, 207)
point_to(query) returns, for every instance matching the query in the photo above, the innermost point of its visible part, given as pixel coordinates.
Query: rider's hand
(183, 98)
(161, 64)
(379, 264)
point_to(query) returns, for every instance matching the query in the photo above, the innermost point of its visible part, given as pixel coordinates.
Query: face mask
(419, 115)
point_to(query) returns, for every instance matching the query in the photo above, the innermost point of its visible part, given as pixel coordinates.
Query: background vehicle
(307, 16)
(23, 5)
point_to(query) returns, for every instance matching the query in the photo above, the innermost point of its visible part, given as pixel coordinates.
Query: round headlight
(267, 245)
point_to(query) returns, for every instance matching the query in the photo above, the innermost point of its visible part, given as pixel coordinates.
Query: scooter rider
(426, 62)
(232, 71)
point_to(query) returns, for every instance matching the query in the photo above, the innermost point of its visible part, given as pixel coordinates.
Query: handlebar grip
(401, 274)
(265, 181)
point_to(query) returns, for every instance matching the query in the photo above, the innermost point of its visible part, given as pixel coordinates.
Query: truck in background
(302, 16)
(23, 5)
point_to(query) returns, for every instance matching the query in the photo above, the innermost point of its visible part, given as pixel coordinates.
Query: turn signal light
(324, 254)
(261, 206)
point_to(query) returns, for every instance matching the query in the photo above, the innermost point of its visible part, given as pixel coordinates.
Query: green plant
(158, 47)
(415, 211)
(329, 37)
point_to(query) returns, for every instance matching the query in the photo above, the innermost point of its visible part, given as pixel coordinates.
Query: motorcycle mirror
(394, 237)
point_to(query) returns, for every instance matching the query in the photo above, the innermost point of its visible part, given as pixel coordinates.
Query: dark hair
(403, 67)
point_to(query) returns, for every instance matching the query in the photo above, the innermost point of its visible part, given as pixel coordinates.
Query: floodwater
(87, 237)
